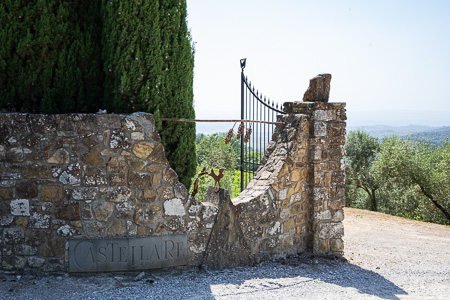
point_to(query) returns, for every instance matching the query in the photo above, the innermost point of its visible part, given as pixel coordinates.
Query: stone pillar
(327, 175)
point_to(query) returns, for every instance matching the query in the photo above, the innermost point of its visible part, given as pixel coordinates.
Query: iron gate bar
(224, 121)
(242, 117)
(259, 99)
(255, 108)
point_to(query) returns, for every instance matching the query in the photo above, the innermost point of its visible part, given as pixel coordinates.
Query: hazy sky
(388, 57)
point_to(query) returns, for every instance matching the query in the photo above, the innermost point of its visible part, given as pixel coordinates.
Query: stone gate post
(325, 154)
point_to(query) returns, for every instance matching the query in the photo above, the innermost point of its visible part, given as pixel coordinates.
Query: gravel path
(388, 258)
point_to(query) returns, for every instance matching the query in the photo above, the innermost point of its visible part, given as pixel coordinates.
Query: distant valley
(435, 135)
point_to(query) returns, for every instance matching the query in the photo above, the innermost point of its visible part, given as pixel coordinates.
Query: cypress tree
(149, 62)
(50, 57)
(61, 56)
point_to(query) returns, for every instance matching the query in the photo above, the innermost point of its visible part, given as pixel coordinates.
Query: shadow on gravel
(299, 277)
(303, 271)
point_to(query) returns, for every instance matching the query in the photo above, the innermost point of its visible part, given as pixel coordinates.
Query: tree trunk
(437, 204)
(374, 200)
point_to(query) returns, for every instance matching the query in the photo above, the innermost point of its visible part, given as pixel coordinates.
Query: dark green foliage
(212, 152)
(148, 62)
(50, 56)
(408, 178)
(418, 166)
(79, 56)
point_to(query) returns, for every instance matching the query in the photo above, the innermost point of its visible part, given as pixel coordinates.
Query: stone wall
(89, 176)
(81, 176)
(295, 201)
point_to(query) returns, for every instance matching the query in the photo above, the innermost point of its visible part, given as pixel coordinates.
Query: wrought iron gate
(255, 107)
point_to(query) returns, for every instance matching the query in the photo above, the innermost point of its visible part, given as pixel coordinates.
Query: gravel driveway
(388, 258)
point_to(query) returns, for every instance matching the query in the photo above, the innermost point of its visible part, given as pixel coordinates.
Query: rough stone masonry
(102, 182)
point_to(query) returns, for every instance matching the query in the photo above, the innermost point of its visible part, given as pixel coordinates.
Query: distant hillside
(435, 135)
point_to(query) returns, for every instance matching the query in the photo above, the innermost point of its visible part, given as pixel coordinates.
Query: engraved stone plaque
(127, 254)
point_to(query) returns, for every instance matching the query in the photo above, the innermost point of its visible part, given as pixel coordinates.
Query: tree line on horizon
(81, 56)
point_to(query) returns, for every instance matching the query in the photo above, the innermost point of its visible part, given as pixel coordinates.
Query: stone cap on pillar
(298, 107)
(319, 89)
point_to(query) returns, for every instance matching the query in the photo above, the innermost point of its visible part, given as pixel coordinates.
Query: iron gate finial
(243, 61)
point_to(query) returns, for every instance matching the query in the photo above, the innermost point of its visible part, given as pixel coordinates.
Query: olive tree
(418, 165)
(360, 152)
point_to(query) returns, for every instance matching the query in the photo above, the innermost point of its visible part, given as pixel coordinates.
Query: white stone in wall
(193, 209)
(23, 150)
(167, 193)
(132, 228)
(193, 225)
(285, 214)
(265, 175)
(7, 183)
(197, 248)
(330, 230)
(276, 228)
(282, 194)
(320, 193)
(209, 211)
(116, 140)
(6, 220)
(324, 115)
(68, 177)
(84, 193)
(317, 153)
(36, 262)
(320, 115)
(265, 200)
(180, 191)
(65, 230)
(39, 221)
(56, 172)
(130, 124)
(174, 207)
(320, 129)
(124, 207)
(338, 216)
(20, 207)
(324, 215)
(273, 243)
